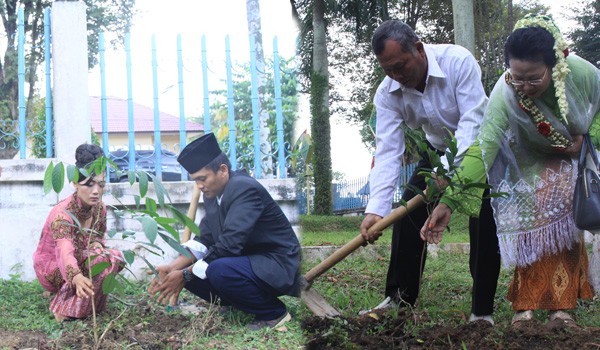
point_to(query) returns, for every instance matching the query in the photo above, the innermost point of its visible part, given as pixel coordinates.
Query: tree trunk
(8, 84)
(511, 16)
(464, 24)
(319, 101)
(254, 28)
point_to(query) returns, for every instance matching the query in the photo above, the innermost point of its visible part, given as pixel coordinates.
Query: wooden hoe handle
(358, 241)
(191, 213)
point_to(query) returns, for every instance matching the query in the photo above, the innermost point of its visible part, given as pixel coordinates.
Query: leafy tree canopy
(102, 15)
(586, 38)
(242, 107)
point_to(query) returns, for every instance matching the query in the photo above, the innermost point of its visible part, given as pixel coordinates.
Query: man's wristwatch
(187, 275)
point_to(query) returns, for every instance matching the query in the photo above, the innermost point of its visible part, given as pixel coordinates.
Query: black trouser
(408, 260)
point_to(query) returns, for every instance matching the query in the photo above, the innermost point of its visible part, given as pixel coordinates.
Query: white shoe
(487, 318)
(521, 316)
(387, 303)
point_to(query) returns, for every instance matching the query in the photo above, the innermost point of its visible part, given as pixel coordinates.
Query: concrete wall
(24, 208)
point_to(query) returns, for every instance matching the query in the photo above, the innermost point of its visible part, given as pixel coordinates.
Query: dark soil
(384, 331)
(151, 327)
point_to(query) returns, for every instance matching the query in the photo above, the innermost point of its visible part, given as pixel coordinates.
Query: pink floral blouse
(62, 251)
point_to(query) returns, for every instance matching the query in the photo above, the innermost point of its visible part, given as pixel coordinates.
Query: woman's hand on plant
(96, 248)
(436, 224)
(83, 286)
(437, 186)
(367, 222)
(575, 148)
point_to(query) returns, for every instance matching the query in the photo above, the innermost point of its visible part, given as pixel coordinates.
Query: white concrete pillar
(72, 125)
(464, 24)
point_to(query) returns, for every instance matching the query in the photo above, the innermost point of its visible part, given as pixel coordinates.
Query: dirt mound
(148, 326)
(384, 331)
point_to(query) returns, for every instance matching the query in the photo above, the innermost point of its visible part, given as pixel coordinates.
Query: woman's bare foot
(62, 318)
(59, 318)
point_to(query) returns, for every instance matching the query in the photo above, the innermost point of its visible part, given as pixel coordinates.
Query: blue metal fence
(353, 195)
(15, 134)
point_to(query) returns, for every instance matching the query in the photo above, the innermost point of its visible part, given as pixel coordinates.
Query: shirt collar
(219, 198)
(433, 70)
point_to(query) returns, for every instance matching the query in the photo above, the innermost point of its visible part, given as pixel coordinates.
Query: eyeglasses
(533, 82)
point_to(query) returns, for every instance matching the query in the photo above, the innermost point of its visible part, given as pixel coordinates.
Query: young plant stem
(95, 326)
(99, 341)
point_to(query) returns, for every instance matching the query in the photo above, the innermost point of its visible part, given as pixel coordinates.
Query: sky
(216, 19)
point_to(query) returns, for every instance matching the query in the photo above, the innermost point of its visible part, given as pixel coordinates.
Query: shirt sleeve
(63, 233)
(589, 82)
(389, 138)
(471, 100)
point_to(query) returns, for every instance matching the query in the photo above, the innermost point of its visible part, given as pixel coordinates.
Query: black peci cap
(199, 153)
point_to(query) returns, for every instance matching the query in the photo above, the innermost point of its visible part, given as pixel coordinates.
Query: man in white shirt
(435, 88)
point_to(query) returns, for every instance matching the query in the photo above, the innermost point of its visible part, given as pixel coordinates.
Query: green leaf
(150, 205)
(58, 177)
(171, 230)
(72, 174)
(175, 245)
(111, 233)
(109, 283)
(111, 164)
(129, 256)
(498, 195)
(185, 220)
(143, 183)
(160, 192)
(166, 221)
(131, 177)
(75, 220)
(84, 172)
(151, 267)
(99, 165)
(137, 200)
(127, 233)
(145, 244)
(48, 178)
(150, 227)
(99, 267)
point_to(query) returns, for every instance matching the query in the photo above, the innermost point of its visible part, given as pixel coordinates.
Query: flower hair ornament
(559, 75)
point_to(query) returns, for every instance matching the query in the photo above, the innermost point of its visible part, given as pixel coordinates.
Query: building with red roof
(117, 122)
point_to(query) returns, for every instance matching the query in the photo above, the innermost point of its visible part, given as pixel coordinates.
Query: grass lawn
(356, 283)
(318, 231)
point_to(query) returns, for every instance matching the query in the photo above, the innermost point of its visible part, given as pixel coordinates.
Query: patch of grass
(340, 230)
(334, 223)
(22, 307)
(338, 238)
(358, 283)
(24, 313)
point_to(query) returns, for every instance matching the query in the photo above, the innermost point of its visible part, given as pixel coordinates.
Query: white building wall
(24, 209)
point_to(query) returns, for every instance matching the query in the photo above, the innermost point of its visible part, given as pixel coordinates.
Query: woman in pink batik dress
(60, 261)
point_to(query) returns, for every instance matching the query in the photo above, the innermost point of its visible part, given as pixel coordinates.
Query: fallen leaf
(171, 339)
(373, 316)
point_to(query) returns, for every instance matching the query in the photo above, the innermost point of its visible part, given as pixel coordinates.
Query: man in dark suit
(247, 254)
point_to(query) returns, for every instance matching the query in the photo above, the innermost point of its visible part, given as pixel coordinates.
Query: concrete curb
(318, 253)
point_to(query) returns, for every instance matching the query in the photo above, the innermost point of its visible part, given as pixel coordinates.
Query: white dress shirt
(453, 100)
